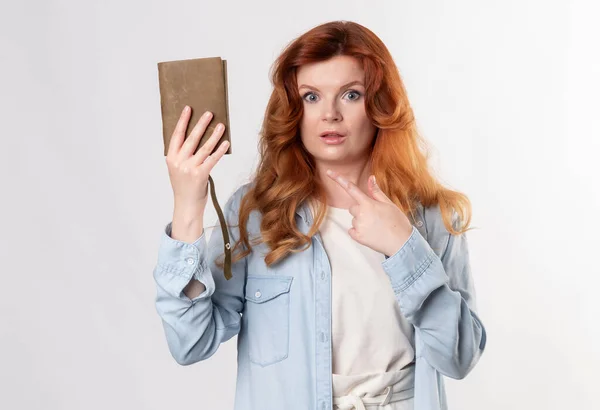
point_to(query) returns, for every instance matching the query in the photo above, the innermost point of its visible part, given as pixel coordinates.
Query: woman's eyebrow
(342, 87)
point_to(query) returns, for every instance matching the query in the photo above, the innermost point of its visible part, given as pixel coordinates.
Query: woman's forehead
(335, 72)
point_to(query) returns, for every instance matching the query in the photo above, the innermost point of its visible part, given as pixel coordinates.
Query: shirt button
(419, 223)
(323, 274)
(258, 294)
(190, 261)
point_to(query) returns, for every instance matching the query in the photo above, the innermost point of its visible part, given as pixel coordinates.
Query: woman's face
(333, 98)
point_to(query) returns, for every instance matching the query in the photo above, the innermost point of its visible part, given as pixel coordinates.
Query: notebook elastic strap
(227, 245)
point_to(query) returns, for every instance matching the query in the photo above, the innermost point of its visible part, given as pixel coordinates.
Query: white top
(371, 339)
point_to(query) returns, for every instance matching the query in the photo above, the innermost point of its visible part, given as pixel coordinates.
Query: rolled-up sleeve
(194, 328)
(437, 295)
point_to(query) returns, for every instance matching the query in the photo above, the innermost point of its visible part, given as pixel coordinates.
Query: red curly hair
(285, 176)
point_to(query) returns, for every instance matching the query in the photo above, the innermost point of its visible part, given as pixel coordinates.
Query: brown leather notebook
(200, 83)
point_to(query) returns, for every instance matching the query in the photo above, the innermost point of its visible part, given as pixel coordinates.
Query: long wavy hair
(286, 175)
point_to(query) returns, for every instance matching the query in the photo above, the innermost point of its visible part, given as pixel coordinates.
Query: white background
(506, 93)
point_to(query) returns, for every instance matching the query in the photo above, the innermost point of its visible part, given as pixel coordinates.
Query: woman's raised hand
(189, 172)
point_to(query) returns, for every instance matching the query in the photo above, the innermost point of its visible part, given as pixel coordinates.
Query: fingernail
(219, 127)
(207, 114)
(186, 109)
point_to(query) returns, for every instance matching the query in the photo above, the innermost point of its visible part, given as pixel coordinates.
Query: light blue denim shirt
(282, 313)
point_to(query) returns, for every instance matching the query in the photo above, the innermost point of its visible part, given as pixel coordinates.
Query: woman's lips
(333, 139)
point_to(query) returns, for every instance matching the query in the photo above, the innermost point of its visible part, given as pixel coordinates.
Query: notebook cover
(200, 83)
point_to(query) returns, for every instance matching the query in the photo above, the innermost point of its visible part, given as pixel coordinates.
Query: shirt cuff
(182, 258)
(406, 265)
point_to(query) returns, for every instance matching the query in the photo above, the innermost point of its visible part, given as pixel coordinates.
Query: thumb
(376, 192)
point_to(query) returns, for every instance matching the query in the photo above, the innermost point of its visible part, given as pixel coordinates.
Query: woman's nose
(331, 112)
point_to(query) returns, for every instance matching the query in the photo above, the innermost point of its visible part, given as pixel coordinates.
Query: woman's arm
(195, 327)
(437, 295)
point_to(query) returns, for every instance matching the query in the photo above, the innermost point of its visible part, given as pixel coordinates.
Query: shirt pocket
(267, 312)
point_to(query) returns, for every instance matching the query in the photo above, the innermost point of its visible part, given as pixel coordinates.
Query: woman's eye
(356, 93)
(307, 95)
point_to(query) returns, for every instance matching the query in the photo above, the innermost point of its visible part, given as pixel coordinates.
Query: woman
(382, 304)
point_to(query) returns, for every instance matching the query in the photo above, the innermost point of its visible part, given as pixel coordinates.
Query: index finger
(352, 189)
(179, 133)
